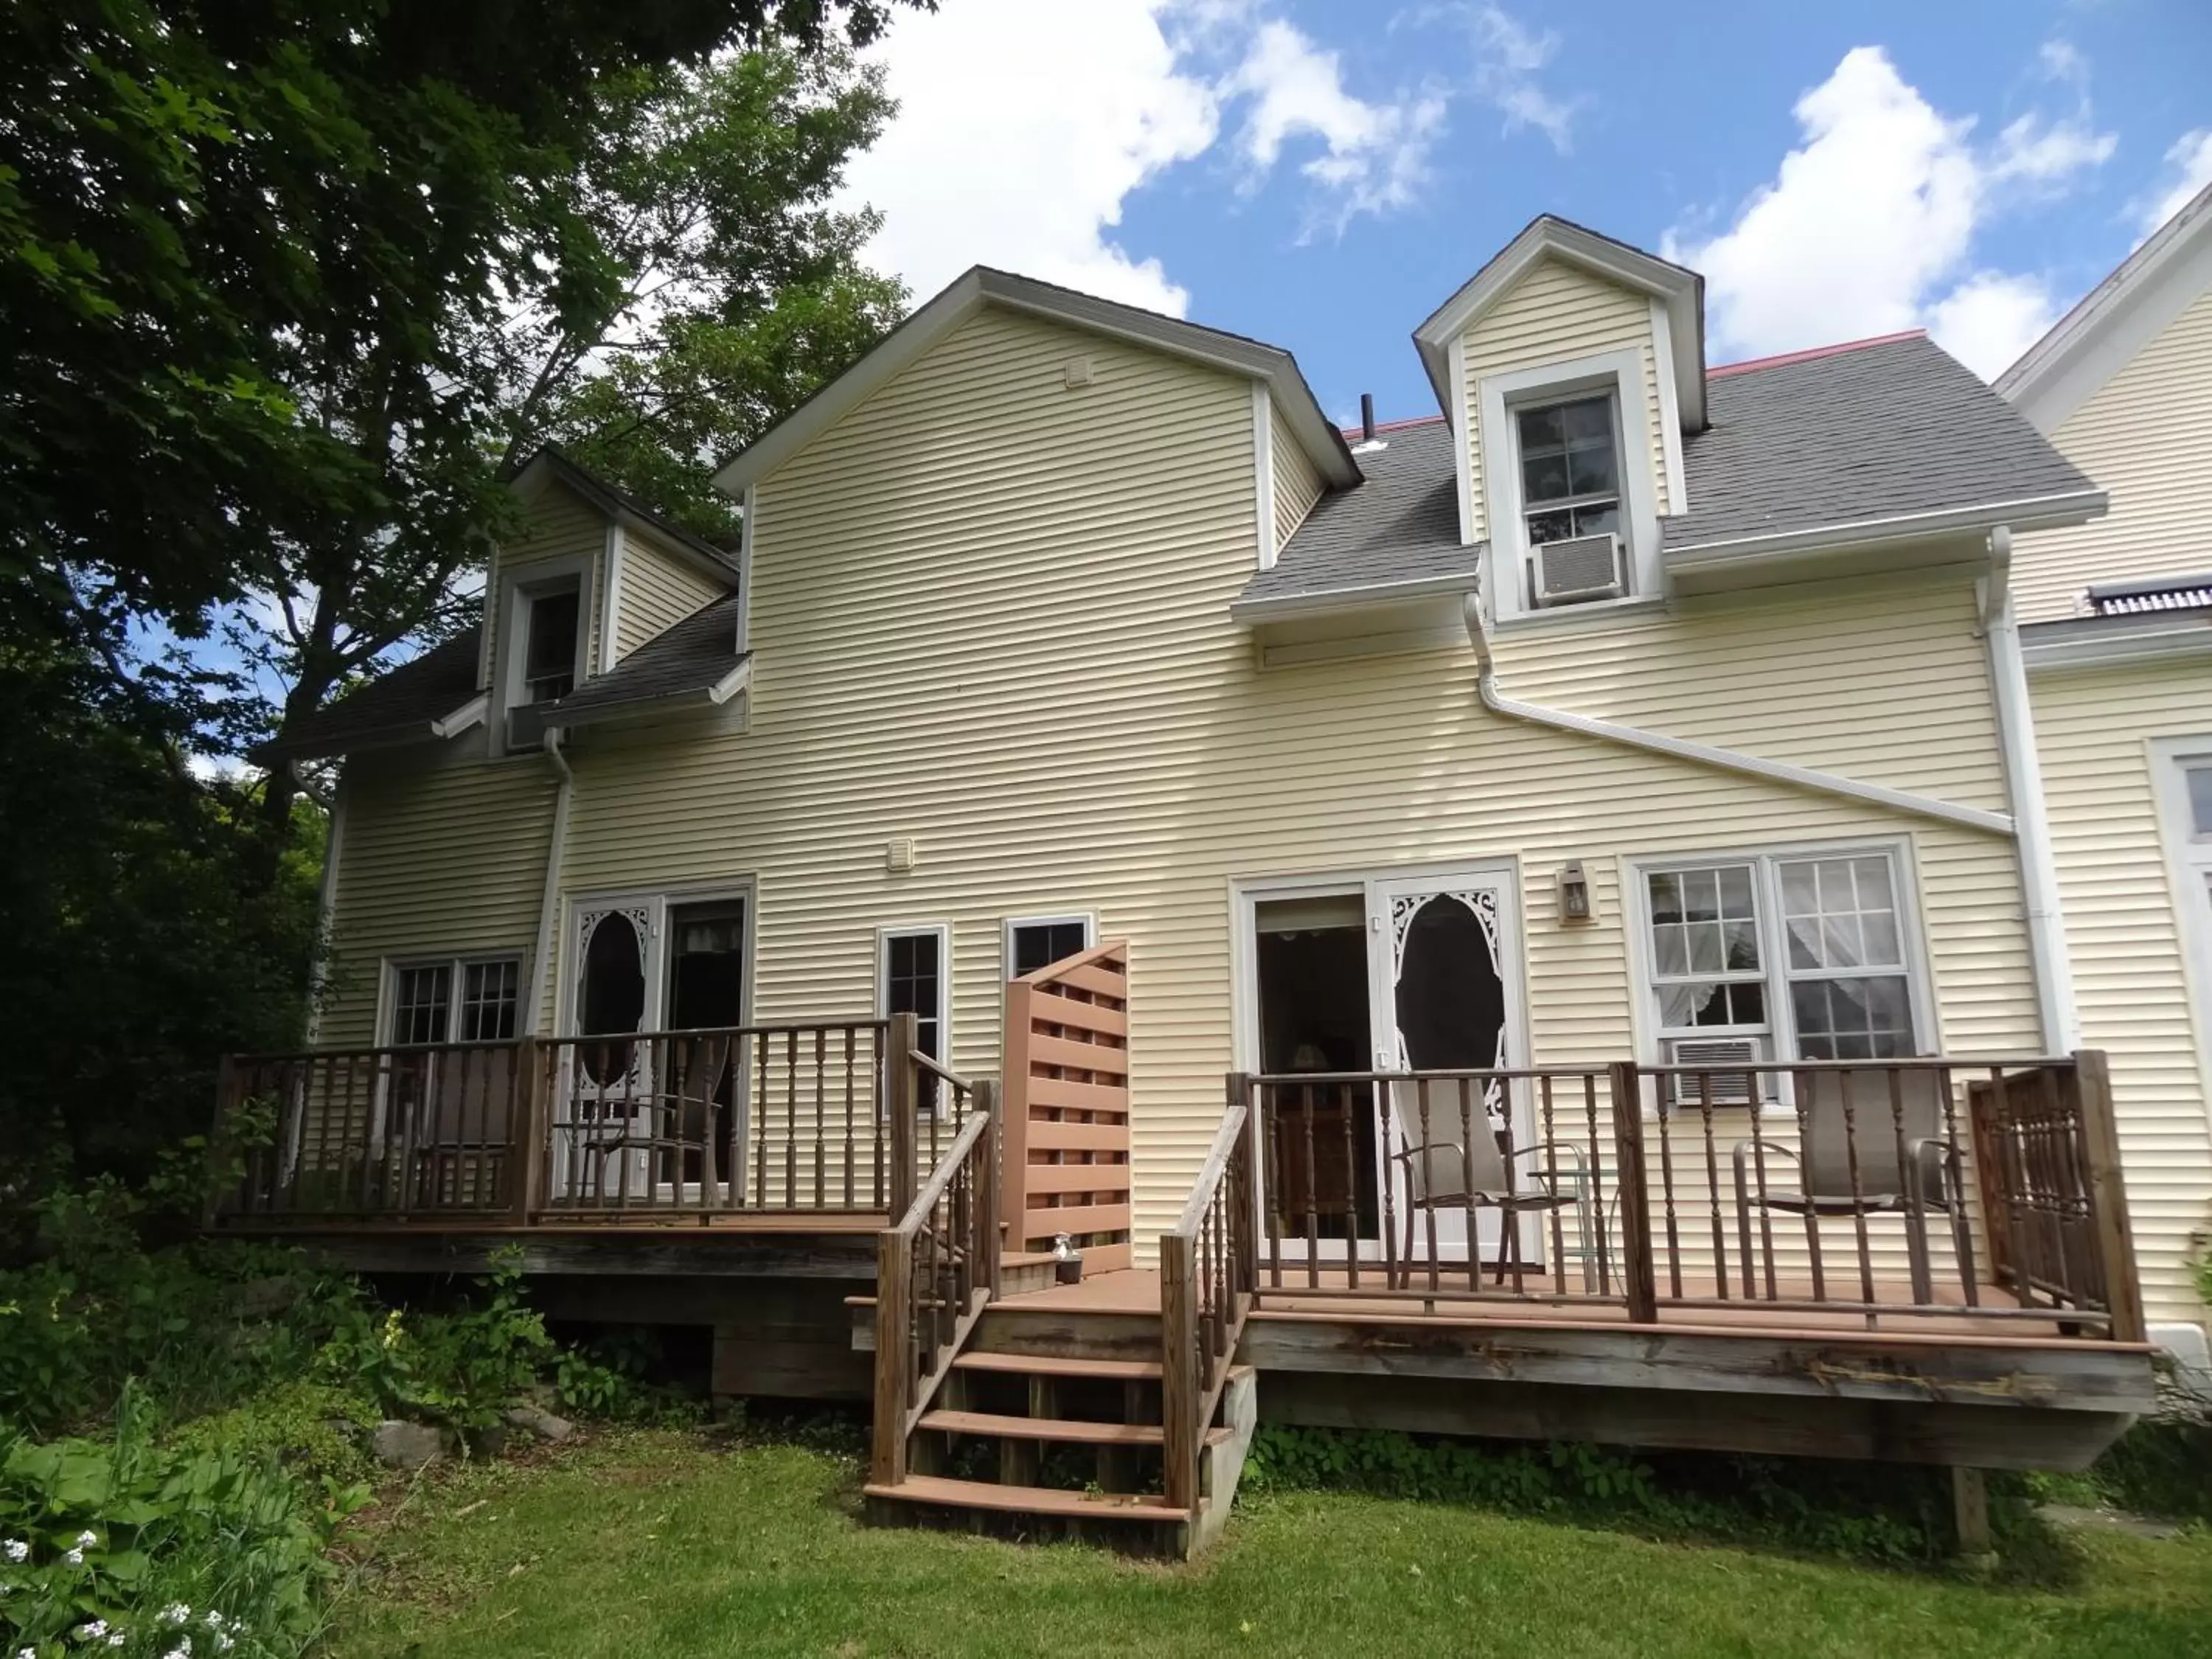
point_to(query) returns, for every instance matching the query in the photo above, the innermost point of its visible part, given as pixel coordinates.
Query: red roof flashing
(1753, 364)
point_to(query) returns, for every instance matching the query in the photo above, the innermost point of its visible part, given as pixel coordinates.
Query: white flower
(175, 1613)
(214, 1621)
(85, 1541)
(92, 1630)
(75, 1557)
(26, 1653)
(116, 1638)
(223, 1644)
(17, 1550)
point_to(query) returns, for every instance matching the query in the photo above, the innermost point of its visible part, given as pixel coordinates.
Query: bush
(128, 1546)
(316, 1433)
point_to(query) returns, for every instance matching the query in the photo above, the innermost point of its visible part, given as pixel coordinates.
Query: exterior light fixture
(1574, 892)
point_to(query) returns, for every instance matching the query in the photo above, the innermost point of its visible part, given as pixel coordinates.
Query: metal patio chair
(1448, 1175)
(1890, 1153)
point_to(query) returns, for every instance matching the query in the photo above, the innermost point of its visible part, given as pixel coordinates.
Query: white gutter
(2036, 512)
(2038, 872)
(1728, 759)
(548, 907)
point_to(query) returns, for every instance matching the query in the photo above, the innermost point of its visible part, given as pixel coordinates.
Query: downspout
(541, 966)
(1705, 754)
(2039, 870)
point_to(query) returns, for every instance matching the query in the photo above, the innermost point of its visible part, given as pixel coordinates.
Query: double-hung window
(1035, 942)
(1800, 956)
(1570, 469)
(456, 999)
(552, 643)
(914, 976)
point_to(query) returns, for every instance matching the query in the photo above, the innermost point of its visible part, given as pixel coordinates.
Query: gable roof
(2115, 320)
(980, 286)
(1681, 290)
(1842, 444)
(405, 705)
(550, 465)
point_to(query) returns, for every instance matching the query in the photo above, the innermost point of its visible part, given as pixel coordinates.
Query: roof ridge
(1393, 426)
(1751, 365)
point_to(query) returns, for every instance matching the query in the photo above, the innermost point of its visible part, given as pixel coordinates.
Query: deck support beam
(1969, 1513)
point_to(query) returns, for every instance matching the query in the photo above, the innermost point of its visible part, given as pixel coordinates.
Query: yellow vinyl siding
(562, 525)
(992, 614)
(1297, 481)
(2122, 930)
(1555, 313)
(654, 592)
(2144, 439)
(441, 855)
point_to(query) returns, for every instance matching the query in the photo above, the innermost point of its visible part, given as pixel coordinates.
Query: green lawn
(660, 1545)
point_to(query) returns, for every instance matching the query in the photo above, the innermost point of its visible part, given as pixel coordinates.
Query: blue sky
(1322, 173)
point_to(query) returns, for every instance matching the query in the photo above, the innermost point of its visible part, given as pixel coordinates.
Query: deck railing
(1209, 1271)
(788, 1117)
(1886, 1190)
(937, 1265)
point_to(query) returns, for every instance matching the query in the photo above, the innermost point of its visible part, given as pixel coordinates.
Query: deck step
(1025, 1365)
(1060, 1431)
(1030, 1500)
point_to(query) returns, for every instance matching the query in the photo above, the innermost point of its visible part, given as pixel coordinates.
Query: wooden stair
(1042, 1430)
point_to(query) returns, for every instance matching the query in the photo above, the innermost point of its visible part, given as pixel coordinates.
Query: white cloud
(1373, 154)
(1022, 127)
(1507, 56)
(2189, 169)
(1869, 225)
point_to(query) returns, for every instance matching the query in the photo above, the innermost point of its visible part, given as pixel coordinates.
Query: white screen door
(606, 1098)
(1445, 961)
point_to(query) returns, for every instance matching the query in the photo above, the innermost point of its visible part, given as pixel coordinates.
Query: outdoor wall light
(1574, 892)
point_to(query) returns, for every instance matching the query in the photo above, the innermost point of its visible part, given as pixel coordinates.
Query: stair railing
(937, 1265)
(1209, 1269)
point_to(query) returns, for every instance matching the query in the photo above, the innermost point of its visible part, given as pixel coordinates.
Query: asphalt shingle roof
(692, 656)
(397, 707)
(1878, 431)
(1869, 432)
(1401, 525)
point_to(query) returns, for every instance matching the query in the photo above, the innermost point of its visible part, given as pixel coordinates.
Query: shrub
(316, 1433)
(128, 1546)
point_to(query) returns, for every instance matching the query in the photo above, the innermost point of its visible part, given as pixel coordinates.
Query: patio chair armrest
(1741, 1157)
(1406, 1154)
(1948, 1166)
(1576, 1172)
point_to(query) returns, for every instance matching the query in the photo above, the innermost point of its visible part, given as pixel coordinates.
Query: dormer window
(552, 641)
(1570, 470)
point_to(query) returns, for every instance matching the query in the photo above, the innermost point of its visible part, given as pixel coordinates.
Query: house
(1532, 921)
(2115, 627)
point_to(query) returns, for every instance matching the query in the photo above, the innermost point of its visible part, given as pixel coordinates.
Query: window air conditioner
(526, 725)
(1729, 1088)
(1578, 570)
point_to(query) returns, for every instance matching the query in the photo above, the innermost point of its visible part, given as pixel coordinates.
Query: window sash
(1781, 977)
(472, 999)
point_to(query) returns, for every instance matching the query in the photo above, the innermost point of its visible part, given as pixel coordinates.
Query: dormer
(594, 579)
(1568, 370)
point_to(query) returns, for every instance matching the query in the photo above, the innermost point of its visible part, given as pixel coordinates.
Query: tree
(702, 288)
(226, 229)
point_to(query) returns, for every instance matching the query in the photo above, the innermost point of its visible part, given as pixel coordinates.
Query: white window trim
(390, 968)
(1621, 373)
(2189, 868)
(1263, 474)
(747, 520)
(1088, 919)
(515, 588)
(1905, 883)
(610, 599)
(942, 932)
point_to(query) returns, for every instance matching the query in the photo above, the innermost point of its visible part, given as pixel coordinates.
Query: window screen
(1040, 944)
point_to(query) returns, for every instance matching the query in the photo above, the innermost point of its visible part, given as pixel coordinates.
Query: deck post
(2108, 1202)
(1969, 1513)
(1633, 1197)
(903, 1099)
(1244, 1191)
(526, 1148)
(989, 1183)
(894, 1355)
(1180, 1432)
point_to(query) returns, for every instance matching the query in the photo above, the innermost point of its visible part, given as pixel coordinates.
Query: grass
(681, 1547)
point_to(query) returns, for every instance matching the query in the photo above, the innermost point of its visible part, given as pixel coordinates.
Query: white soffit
(2115, 320)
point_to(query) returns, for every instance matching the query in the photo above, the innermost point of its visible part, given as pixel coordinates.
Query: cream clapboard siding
(2144, 439)
(991, 614)
(2122, 922)
(1297, 481)
(1555, 313)
(654, 592)
(443, 854)
(562, 525)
